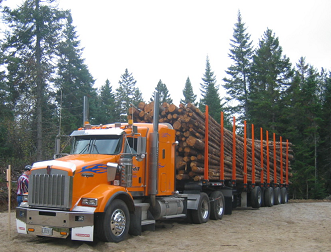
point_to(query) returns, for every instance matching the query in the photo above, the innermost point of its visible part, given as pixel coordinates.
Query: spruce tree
(73, 80)
(236, 84)
(209, 93)
(127, 93)
(30, 48)
(307, 141)
(324, 157)
(164, 95)
(189, 96)
(106, 105)
(271, 74)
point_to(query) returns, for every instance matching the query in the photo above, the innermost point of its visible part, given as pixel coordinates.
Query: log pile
(189, 124)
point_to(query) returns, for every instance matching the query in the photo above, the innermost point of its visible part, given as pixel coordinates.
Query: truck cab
(106, 179)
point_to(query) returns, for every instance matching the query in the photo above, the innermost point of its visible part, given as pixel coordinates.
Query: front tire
(201, 215)
(115, 223)
(217, 204)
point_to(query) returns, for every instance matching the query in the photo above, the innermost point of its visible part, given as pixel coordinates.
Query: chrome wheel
(205, 209)
(217, 205)
(117, 222)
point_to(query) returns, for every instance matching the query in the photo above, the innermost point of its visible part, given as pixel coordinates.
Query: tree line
(43, 80)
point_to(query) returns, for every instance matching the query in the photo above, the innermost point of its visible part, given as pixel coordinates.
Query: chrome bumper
(53, 223)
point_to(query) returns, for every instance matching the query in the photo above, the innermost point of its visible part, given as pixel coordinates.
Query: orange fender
(107, 193)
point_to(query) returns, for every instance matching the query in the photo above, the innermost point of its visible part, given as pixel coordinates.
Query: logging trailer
(121, 178)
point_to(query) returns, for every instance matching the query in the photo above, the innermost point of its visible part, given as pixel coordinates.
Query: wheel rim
(219, 207)
(271, 197)
(279, 197)
(259, 197)
(204, 209)
(117, 222)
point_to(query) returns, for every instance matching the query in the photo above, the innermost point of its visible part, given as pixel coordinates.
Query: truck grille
(51, 191)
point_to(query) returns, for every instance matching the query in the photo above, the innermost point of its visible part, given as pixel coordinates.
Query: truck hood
(89, 162)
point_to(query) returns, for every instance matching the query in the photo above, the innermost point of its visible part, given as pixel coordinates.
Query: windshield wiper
(95, 146)
(86, 148)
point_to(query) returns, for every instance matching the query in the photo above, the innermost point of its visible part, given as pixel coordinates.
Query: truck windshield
(97, 145)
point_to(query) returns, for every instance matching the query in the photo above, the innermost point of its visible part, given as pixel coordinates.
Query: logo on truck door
(165, 134)
(95, 168)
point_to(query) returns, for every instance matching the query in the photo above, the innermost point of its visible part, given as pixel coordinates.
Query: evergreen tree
(30, 47)
(106, 105)
(209, 93)
(189, 96)
(324, 157)
(6, 114)
(308, 138)
(73, 80)
(301, 121)
(164, 95)
(271, 74)
(236, 84)
(127, 93)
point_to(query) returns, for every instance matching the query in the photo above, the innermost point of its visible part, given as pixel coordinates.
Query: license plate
(46, 231)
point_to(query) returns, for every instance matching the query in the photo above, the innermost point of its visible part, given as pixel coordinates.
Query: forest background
(43, 79)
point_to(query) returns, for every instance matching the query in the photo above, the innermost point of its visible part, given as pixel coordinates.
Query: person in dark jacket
(23, 184)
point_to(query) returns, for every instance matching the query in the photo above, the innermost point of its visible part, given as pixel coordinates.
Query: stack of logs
(189, 123)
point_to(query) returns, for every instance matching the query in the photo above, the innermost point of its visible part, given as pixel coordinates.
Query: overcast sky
(170, 40)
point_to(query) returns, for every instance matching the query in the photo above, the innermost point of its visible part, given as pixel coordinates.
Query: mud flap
(21, 227)
(82, 233)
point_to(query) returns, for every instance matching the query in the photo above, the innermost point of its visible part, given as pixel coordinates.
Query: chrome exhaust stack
(154, 153)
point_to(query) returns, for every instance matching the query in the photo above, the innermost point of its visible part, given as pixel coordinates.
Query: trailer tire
(283, 193)
(114, 225)
(269, 197)
(256, 197)
(262, 196)
(201, 215)
(217, 205)
(277, 196)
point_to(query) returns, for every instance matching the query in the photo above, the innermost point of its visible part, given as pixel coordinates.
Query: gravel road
(296, 226)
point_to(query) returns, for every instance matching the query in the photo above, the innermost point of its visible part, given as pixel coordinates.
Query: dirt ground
(296, 226)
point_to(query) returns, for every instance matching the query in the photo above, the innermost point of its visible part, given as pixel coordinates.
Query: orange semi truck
(120, 179)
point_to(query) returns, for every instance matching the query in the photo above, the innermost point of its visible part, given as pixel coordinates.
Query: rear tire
(217, 204)
(269, 197)
(201, 215)
(114, 225)
(283, 193)
(256, 197)
(277, 199)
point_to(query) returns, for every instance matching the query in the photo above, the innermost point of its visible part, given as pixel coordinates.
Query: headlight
(89, 202)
